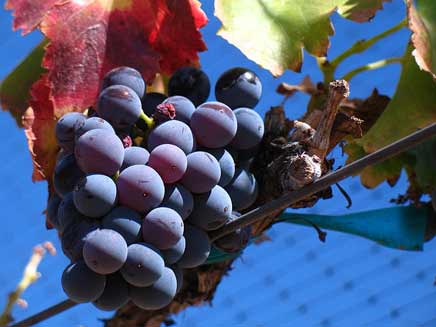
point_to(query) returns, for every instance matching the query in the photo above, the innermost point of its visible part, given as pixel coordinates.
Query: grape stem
(147, 120)
(371, 66)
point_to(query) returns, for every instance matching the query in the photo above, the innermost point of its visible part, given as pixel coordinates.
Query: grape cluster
(133, 209)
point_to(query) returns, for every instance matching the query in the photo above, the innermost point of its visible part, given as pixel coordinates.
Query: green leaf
(15, 88)
(360, 10)
(425, 165)
(422, 22)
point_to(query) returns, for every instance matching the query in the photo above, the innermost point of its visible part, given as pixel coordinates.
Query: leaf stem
(147, 120)
(371, 66)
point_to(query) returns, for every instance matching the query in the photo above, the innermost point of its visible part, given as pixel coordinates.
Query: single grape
(144, 265)
(66, 127)
(68, 213)
(73, 237)
(183, 106)
(94, 123)
(62, 154)
(125, 221)
(238, 87)
(179, 199)
(191, 83)
(162, 227)
(227, 165)
(125, 76)
(172, 132)
(235, 241)
(82, 284)
(151, 100)
(158, 295)
(243, 189)
(211, 209)
(52, 210)
(203, 172)
(104, 251)
(66, 175)
(174, 253)
(115, 294)
(99, 151)
(95, 195)
(120, 106)
(169, 161)
(250, 129)
(178, 272)
(213, 124)
(135, 155)
(140, 188)
(197, 247)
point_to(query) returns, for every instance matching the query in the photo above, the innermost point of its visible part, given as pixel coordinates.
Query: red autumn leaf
(90, 37)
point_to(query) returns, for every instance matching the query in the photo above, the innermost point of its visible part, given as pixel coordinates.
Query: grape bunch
(141, 179)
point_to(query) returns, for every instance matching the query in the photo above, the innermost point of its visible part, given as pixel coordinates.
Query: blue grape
(140, 188)
(197, 247)
(52, 210)
(73, 237)
(115, 294)
(183, 106)
(250, 129)
(99, 151)
(235, 241)
(162, 227)
(135, 155)
(172, 132)
(104, 251)
(169, 161)
(120, 106)
(178, 272)
(68, 213)
(95, 195)
(174, 253)
(213, 124)
(126, 76)
(238, 87)
(179, 199)
(144, 265)
(82, 284)
(125, 221)
(66, 175)
(66, 127)
(227, 165)
(243, 189)
(211, 209)
(158, 295)
(94, 123)
(151, 100)
(203, 172)
(190, 82)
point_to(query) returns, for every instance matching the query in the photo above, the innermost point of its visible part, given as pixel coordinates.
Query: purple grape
(227, 165)
(238, 87)
(203, 172)
(211, 209)
(190, 82)
(151, 100)
(235, 241)
(178, 272)
(243, 189)
(99, 151)
(158, 295)
(66, 127)
(120, 106)
(183, 106)
(95, 195)
(250, 129)
(115, 294)
(174, 253)
(162, 227)
(135, 155)
(82, 284)
(68, 213)
(73, 238)
(52, 210)
(66, 175)
(172, 132)
(125, 76)
(144, 265)
(104, 251)
(94, 123)
(125, 221)
(197, 247)
(140, 188)
(213, 124)
(169, 161)
(179, 199)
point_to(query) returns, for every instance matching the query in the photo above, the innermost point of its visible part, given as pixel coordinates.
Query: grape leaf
(273, 32)
(422, 22)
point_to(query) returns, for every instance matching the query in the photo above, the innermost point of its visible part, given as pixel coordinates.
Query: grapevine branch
(282, 203)
(371, 66)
